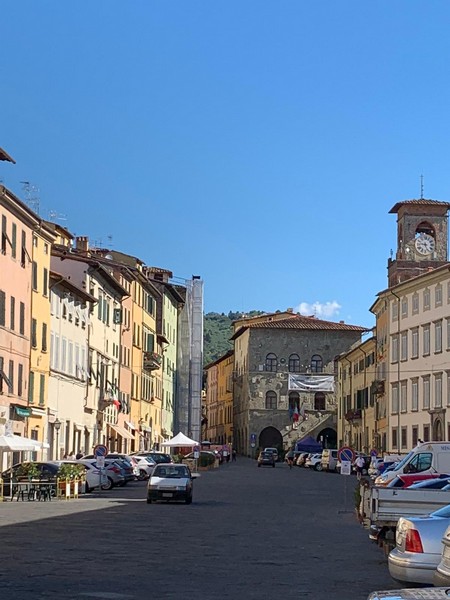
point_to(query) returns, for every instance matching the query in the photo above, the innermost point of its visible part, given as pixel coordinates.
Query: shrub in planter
(206, 460)
(71, 471)
(28, 470)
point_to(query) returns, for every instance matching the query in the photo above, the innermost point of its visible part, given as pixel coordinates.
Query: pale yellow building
(219, 399)
(356, 396)
(38, 385)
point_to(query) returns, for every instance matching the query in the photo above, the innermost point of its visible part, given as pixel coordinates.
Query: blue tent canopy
(308, 444)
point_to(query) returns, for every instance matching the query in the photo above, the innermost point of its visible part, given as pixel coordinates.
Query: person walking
(233, 455)
(359, 463)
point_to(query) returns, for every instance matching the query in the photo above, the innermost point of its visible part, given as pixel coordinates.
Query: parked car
(418, 547)
(125, 462)
(170, 482)
(437, 483)
(274, 452)
(440, 593)
(113, 471)
(442, 574)
(302, 458)
(404, 481)
(379, 465)
(429, 457)
(314, 461)
(329, 459)
(158, 457)
(266, 459)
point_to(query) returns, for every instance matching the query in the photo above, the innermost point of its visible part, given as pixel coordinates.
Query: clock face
(425, 244)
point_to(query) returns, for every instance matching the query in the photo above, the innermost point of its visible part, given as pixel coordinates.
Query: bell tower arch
(422, 238)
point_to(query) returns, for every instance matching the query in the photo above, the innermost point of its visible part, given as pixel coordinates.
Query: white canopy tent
(16, 443)
(180, 441)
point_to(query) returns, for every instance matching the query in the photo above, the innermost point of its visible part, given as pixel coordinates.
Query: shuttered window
(2, 308)
(22, 319)
(20, 380)
(31, 388)
(42, 389)
(44, 337)
(12, 324)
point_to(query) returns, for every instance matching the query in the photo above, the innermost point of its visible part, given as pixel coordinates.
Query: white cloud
(319, 309)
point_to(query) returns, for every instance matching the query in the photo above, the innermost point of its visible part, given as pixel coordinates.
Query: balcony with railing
(151, 361)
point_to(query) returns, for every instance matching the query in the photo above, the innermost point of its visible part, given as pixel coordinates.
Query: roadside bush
(206, 460)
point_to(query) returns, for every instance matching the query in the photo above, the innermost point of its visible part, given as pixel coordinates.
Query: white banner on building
(311, 383)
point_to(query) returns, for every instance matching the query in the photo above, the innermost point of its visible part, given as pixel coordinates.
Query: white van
(329, 459)
(429, 457)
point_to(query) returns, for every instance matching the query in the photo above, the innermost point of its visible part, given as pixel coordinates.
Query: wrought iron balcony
(152, 361)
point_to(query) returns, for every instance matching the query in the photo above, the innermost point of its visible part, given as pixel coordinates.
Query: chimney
(82, 243)
(290, 310)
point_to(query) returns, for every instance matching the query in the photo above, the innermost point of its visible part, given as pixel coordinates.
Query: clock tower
(422, 235)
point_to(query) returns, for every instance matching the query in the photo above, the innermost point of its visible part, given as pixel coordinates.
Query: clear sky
(257, 143)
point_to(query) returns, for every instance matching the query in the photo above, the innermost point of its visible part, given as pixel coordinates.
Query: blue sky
(258, 144)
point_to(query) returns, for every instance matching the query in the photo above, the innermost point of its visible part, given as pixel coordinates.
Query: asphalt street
(250, 533)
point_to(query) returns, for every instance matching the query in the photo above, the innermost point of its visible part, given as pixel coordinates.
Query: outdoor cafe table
(32, 490)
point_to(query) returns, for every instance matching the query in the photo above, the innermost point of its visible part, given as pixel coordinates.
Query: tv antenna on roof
(31, 195)
(55, 216)
(421, 187)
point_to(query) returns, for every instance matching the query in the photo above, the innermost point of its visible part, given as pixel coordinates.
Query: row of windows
(147, 343)
(8, 377)
(67, 357)
(420, 340)
(421, 393)
(34, 279)
(12, 313)
(415, 301)
(6, 241)
(294, 366)
(68, 308)
(409, 437)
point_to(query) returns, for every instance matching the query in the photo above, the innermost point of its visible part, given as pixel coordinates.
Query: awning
(131, 425)
(37, 412)
(22, 412)
(146, 428)
(122, 432)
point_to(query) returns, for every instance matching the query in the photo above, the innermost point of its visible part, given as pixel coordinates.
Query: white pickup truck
(387, 505)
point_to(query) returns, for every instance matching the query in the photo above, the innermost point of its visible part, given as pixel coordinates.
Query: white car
(314, 461)
(93, 477)
(144, 466)
(170, 482)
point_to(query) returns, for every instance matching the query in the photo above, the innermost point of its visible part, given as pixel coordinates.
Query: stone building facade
(267, 350)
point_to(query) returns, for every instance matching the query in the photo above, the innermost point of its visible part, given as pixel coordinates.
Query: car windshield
(171, 472)
(402, 463)
(161, 458)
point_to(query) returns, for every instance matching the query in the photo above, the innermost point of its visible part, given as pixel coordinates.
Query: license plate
(167, 495)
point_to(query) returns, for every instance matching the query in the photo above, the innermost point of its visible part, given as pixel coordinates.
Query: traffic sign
(100, 462)
(253, 438)
(100, 450)
(374, 452)
(253, 445)
(196, 452)
(346, 454)
(346, 467)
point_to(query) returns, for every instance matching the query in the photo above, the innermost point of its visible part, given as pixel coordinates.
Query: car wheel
(318, 467)
(142, 475)
(87, 489)
(188, 500)
(273, 465)
(259, 465)
(109, 485)
(149, 500)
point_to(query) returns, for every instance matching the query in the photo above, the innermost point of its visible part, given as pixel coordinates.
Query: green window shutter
(34, 275)
(20, 381)
(13, 313)
(45, 283)
(31, 388)
(44, 337)
(22, 319)
(2, 308)
(34, 333)
(42, 389)
(14, 240)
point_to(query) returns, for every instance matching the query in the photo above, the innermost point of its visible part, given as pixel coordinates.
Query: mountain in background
(217, 330)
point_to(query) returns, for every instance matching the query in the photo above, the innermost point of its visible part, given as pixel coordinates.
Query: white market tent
(180, 441)
(16, 443)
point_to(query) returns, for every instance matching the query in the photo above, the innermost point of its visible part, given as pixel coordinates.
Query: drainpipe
(398, 372)
(363, 411)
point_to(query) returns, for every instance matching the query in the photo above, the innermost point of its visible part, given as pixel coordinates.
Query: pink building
(17, 223)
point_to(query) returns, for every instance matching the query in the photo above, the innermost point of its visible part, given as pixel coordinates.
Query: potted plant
(69, 476)
(28, 471)
(71, 471)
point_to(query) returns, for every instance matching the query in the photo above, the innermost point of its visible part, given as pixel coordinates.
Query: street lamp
(57, 426)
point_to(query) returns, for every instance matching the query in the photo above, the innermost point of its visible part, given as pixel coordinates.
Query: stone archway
(270, 437)
(328, 437)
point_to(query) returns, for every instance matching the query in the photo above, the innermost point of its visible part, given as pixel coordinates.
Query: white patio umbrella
(16, 443)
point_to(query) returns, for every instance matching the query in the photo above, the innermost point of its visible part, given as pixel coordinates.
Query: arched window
(294, 363)
(294, 401)
(319, 401)
(271, 400)
(271, 362)
(316, 364)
